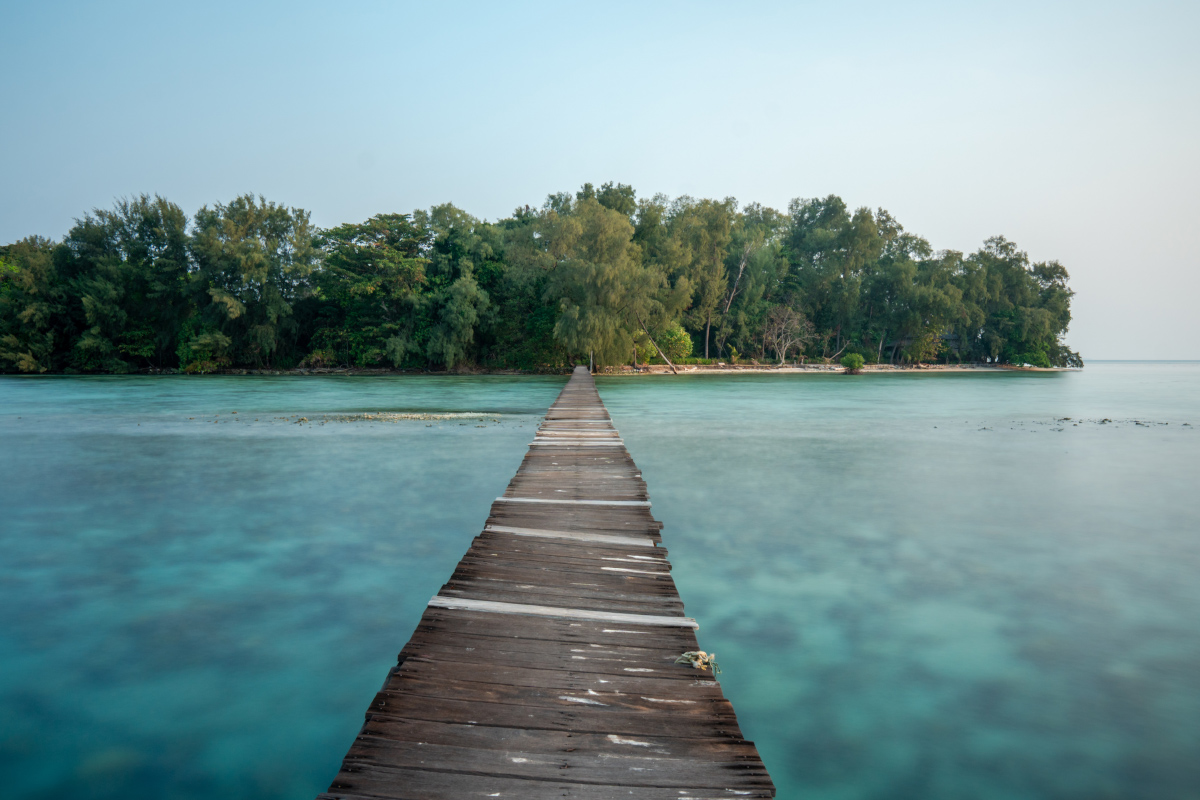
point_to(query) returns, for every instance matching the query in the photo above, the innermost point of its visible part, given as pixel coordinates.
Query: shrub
(1035, 358)
(853, 362)
(674, 340)
(321, 357)
(204, 352)
(925, 347)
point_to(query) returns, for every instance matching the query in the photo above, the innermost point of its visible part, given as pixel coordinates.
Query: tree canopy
(600, 273)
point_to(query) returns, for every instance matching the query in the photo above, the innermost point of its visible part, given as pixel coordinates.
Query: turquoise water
(919, 585)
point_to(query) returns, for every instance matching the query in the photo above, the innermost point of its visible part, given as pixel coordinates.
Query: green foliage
(1034, 358)
(203, 349)
(853, 362)
(675, 342)
(366, 301)
(32, 307)
(604, 292)
(253, 262)
(924, 346)
(124, 272)
(593, 275)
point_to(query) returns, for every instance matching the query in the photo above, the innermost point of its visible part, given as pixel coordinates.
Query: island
(599, 277)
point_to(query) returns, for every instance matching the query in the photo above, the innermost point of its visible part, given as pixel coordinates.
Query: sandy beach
(727, 369)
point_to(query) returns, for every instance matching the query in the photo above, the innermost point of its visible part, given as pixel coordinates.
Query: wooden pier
(545, 666)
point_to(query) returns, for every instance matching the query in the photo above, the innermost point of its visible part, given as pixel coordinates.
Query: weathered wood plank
(482, 737)
(545, 667)
(615, 611)
(567, 633)
(595, 768)
(597, 538)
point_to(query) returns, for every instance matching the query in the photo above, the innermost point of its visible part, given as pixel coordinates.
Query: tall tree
(128, 271)
(32, 307)
(703, 229)
(368, 290)
(456, 304)
(831, 251)
(254, 260)
(605, 293)
(757, 267)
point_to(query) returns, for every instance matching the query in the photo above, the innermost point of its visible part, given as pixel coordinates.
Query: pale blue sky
(1071, 128)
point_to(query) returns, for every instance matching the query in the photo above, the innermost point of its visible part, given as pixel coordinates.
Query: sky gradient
(1070, 128)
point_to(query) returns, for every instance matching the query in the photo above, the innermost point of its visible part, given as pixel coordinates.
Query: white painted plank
(577, 536)
(635, 503)
(497, 607)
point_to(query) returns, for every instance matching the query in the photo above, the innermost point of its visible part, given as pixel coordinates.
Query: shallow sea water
(918, 585)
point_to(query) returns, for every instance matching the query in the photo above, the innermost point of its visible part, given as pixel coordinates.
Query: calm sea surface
(918, 585)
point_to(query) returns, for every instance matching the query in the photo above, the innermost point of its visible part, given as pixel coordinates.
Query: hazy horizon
(1070, 129)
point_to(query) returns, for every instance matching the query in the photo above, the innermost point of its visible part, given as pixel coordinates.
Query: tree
(368, 290)
(619, 197)
(703, 230)
(456, 308)
(758, 274)
(129, 270)
(254, 259)
(522, 331)
(460, 307)
(32, 307)
(1014, 312)
(786, 328)
(590, 273)
(831, 252)
(603, 291)
(674, 341)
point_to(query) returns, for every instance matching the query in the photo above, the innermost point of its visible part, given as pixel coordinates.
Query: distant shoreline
(645, 369)
(702, 369)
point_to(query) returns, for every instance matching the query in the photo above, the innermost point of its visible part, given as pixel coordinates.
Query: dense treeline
(599, 273)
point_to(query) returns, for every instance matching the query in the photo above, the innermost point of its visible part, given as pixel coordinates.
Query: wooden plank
(598, 768)
(629, 503)
(671, 681)
(412, 784)
(546, 665)
(561, 613)
(525, 595)
(473, 710)
(640, 548)
(691, 703)
(571, 535)
(566, 634)
(484, 737)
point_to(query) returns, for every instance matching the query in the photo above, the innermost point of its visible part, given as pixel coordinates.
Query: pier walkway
(545, 666)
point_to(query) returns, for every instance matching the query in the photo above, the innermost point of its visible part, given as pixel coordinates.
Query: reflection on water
(925, 586)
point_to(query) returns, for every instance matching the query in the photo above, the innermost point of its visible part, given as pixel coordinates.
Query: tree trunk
(591, 362)
(741, 268)
(707, 328)
(656, 347)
